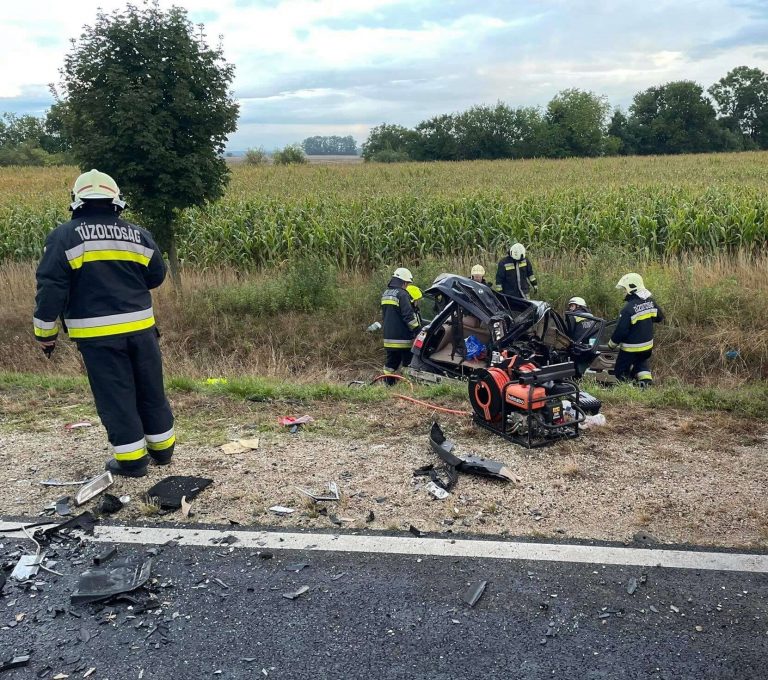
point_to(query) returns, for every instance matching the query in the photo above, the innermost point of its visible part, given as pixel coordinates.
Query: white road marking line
(437, 547)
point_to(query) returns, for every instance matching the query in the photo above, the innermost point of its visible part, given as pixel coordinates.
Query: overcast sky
(307, 67)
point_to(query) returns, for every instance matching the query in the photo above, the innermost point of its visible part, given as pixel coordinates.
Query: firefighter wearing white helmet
(400, 323)
(633, 336)
(96, 273)
(578, 327)
(478, 274)
(515, 275)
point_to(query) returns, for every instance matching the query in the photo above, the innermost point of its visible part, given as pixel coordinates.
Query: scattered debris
(105, 556)
(699, 629)
(331, 495)
(281, 510)
(296, 566)
(474, 465)
(251, 444)
(370, 517)
(123, 576)
(27, 567)
(109, 504)
(414, 530)
(94, 487)
(437, 491)
(56, 482)
(474, 592)
(15, 662)
(85, 522)
(169, 491)
(297, 593)
(62, 506)
(78, 425)
(221, 583)
(266, 555)
(593, 421)
(295, 423)
(229, 539)
(334, 519)
(644, 538)
(89, 672)
(233, 448)
(632, 586)
(186, 508)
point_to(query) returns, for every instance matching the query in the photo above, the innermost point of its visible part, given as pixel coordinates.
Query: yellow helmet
(93, 185)
(631, 283)
(478, 270)
(414, 292)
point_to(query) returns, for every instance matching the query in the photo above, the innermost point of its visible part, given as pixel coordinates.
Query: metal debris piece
(105, 556)
(281, 510)
(171, 490)
(78, 425)
(474, 465)
(296, 566)
(297, 593)
(474, 592)
(331, 495)
(56, 482)
(123, 576)
(15, 662)
(94, 487)
(62, 506)
(436, 491)
(27, 567)
(109, 504)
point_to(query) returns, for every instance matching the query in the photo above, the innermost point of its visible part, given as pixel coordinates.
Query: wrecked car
(521, 365)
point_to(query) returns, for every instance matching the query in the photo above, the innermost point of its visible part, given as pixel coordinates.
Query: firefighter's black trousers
(633, 366)
(395, 359)
(126, 377)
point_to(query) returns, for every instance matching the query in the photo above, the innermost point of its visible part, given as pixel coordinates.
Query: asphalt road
(384, 616)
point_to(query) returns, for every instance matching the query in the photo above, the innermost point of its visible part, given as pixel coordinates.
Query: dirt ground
(682, 477)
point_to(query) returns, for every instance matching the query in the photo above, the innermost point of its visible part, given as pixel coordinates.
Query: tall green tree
(320, 145)
(676, 118)
(742, 101)
(148, 101)
(388, 139)
(577, 123)
(436, 139)
(621, 139)
(485, 132)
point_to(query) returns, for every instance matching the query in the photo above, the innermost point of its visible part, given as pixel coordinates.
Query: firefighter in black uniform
(634, 331)
(96, 273)
(515, 275)
(400, 322)
(578, 327)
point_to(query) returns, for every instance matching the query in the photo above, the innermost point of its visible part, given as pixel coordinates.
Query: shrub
(256, 157)
(292, 154)
(390, 156)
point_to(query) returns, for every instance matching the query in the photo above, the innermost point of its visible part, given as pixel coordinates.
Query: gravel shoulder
(682, 477)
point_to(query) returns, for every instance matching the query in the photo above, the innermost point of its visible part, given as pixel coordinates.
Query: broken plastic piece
(109, 504)
(94, 487)
(437, 491)
(15, 662)
(105, 556)
(294, 595)
(27, 567)
(289, 421)
(85, 521)
(123, 576)
(78, 425)
(56, 482)
(296, 566)
(169, 491)
(474, 465)
(414, 530)
(62, 506)
(281, 510)
(474, 592)
(331, 495)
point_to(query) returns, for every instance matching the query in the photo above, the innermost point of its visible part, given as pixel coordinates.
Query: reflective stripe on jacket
(96, 272)
(634, 330)
(515, 277)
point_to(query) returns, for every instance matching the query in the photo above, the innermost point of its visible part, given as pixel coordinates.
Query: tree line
(677, 117)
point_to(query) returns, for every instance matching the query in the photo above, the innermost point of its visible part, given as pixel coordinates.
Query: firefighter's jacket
(634, 330)
(96, 273)
(400, 322)
(578, 327)
(515, 277)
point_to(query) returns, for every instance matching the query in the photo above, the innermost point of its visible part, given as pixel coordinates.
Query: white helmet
(477, 270)
(403, 274)
(631, 283)
(517, 251)
(93, 185)
(580, 301)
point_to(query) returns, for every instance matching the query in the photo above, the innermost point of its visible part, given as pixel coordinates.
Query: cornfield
(366, 215)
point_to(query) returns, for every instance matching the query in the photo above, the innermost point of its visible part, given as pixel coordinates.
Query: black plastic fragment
(109, 504)
(474, 465)
(414, 530)
(105, 556)
(85, 521)
(442, 446)
(15, 662)
(170, 490)
(123, 576)
(474, 592)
